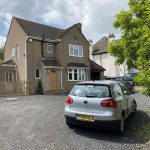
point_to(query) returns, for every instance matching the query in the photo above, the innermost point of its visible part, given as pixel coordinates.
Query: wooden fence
(13, 88)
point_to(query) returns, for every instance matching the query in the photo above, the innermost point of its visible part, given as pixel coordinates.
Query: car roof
(103, 82)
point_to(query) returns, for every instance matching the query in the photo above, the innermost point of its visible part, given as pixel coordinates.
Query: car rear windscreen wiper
(90, 95)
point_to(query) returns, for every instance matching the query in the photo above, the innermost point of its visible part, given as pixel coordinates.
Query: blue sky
(96, 16)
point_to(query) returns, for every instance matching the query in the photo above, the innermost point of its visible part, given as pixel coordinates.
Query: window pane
(17, 52)
(37, 73)
(10, 76)
(71, 50)
(70, 70)
(70, 76)
(79, 74)
(75, 52)
(80, 51)
(13, 51)
(49, 48)
(83, 74)
(7, 76)
(75, 74)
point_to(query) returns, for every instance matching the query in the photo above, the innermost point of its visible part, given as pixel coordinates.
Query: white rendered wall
(108, 62)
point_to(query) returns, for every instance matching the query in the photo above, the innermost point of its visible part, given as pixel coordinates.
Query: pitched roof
(100, 46)
(49, 62)
(9, 63)
(76, 64)
(37, 29)
(95, 66)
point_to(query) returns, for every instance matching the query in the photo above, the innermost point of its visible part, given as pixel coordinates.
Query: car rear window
(100, 91)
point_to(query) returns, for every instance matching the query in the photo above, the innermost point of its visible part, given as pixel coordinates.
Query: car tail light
(69, 100)
(109, 103)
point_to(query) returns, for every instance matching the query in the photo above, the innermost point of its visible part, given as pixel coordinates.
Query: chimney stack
(91, 49)
(79, 25)
(111, 37)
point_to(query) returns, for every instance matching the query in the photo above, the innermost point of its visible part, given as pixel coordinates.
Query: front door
(53, 79)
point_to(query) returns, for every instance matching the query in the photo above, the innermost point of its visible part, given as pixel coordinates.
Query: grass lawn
(138, 88)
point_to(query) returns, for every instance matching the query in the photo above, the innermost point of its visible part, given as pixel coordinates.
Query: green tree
(1, 55)
(134, 45)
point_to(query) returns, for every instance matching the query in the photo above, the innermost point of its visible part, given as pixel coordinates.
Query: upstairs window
(75, 50)
(49, 48)
(13, 52)
(37, 73)
(17, 52)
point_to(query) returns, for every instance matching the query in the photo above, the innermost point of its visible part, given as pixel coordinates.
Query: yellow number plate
(86, 118)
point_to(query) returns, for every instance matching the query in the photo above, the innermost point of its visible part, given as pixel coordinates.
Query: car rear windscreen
(100, 91)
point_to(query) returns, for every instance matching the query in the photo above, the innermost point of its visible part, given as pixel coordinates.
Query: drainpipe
(26, 65)
(16, 69)
(42, 46)
(61, 80)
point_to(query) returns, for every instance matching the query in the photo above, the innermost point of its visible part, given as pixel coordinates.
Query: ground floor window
(9, 77)
(76, 74)
(37, 73)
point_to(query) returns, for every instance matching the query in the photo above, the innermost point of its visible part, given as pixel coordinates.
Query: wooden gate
(13, 88)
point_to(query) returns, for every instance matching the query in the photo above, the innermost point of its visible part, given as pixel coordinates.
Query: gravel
(37, 123)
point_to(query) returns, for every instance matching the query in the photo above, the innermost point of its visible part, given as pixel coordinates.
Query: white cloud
(2, 41)
(97, 16)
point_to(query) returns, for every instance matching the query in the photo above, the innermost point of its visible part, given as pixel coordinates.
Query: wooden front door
(53, 79)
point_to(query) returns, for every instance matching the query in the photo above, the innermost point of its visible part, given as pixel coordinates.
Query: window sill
(76, 56)
(37, 78)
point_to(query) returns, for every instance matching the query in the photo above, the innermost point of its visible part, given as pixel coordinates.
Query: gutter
(45, 40)
(52, 67)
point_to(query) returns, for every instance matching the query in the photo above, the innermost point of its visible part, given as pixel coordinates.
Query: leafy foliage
(1, 55)
(134, 45)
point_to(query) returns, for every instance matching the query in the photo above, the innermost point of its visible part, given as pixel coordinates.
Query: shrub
(39, 89)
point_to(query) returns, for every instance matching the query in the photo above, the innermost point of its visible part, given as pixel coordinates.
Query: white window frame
(39, 73)
(17, 51)
(75, 48)
(72, 71)
(13, 52)
(49, 45)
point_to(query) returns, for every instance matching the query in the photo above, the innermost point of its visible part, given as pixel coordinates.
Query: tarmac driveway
(37, 123)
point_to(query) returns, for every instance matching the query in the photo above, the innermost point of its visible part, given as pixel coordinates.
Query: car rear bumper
(97, 123)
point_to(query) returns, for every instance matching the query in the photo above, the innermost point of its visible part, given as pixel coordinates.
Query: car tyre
(134, 107)
(121, 126)
(70, 125)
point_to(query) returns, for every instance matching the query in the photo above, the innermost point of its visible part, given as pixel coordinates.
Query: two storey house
(58, 58)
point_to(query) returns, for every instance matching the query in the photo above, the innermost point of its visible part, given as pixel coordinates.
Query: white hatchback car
(99, 104)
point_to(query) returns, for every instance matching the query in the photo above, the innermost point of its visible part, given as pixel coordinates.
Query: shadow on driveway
(134, 124)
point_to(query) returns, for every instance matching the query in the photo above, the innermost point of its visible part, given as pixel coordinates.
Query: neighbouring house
(100, 55)
(58, 58)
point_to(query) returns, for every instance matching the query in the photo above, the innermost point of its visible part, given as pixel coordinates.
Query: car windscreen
(100, 91)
